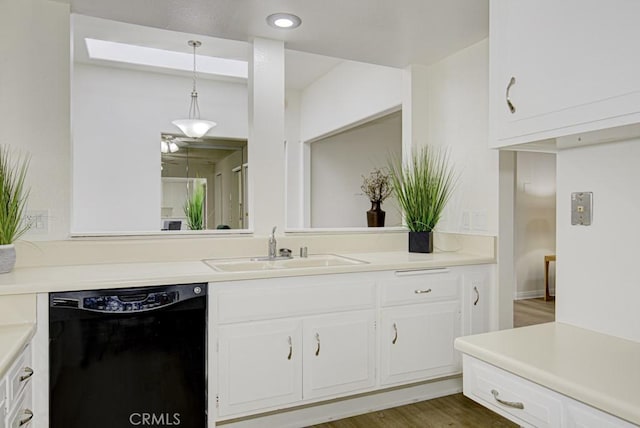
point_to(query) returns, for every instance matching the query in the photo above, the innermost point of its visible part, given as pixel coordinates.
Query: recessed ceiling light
(286, 21)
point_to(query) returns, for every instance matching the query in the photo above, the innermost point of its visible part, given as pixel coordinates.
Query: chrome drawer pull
(512, 108)
(395, 337)
(477, 296)
(290, 349)
(28, 373)
(428, 290)
(514, 404)
(318, 341)
(25, 421)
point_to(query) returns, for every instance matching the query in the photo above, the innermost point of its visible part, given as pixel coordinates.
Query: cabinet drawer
(19, 375)
(420, 286)
(517, 399)
(291, 297)
(21, 413)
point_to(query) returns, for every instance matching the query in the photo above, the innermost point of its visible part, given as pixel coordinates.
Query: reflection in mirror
(343, 119)
(219, 165)
(122, 103)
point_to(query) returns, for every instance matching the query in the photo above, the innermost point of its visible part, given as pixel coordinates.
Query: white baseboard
(344, 408)
(522, 295)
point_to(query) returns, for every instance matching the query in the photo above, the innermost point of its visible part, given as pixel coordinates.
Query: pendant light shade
(194, 127)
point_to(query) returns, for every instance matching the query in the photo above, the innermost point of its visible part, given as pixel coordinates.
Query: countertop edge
(37, 280)
(616, 406)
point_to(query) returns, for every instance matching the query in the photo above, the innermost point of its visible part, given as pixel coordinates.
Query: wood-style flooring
(533, 311)
(453, 410)
(450, 411)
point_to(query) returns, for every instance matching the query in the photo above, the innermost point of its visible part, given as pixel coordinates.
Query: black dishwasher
(128, 357)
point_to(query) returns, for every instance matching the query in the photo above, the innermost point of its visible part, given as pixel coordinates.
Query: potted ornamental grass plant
(422, 187)
(377, 187)
(194, 206)
(13, 200)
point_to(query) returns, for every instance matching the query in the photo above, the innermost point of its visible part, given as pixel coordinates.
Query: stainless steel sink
(250, 265)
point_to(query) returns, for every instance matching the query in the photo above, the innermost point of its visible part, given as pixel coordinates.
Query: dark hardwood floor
(453, 410)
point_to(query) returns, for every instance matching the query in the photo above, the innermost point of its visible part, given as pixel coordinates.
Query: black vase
(375, 216)
(421, 242)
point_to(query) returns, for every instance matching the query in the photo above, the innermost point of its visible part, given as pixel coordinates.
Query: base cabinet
(338, 355)
(417, 342)
(527, 403)
(16, 395)
(287, 342)
(259, 365)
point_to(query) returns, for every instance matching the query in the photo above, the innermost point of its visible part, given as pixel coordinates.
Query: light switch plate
(581, 208)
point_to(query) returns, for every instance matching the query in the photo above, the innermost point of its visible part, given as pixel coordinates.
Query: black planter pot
(421, 242)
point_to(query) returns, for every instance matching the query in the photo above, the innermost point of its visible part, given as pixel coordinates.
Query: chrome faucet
(273, 244)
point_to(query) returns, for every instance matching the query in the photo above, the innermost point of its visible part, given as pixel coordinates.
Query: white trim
(522, 295)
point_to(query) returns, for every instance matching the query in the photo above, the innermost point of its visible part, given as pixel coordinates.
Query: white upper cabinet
(562, 68)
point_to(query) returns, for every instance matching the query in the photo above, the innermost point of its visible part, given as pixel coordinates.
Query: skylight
(140, 55)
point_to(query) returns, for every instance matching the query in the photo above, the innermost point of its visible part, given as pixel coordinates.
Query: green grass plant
(194, 207)
(13, 195)
(423, 186)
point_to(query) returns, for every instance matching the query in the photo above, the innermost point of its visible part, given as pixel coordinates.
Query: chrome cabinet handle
(318, 342)
(290, 349)
(28, 373)
(477, 296)
(395, 337)
(514, 404)
(428, 290)
(25, 421)
(512, 82)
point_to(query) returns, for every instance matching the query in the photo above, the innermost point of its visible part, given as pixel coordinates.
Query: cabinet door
(572, 65)
(339, 353)
(417, 342)
(259, 366)
(476, 299)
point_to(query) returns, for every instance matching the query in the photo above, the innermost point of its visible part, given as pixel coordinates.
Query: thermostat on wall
(581, 208)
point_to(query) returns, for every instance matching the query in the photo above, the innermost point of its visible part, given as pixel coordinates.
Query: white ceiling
(387, 32)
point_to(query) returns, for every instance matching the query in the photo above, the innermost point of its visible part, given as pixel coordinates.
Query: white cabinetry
(529, 404)
(16, 396)
(338, 354)
(286, 340)
(476, 297)
(259, 365)
(562, 68)
(420, 319)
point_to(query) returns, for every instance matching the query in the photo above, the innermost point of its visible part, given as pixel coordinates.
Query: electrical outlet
(38, 221)
(581, 208)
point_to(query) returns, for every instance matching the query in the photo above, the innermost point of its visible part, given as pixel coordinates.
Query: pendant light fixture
(194, 126)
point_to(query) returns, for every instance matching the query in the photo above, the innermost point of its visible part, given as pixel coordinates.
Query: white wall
(598, 286)
(337, 166)
(34, 102)
(457, 105)
(266, 136)
(349, 93)
(295, 195)
(535, 221)
(118, 116)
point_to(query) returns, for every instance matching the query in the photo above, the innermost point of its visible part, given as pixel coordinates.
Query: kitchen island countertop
(597, 369)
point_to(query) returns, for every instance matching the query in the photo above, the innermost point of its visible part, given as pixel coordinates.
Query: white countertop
(13, 338)
(96, 276)
(599, 370)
